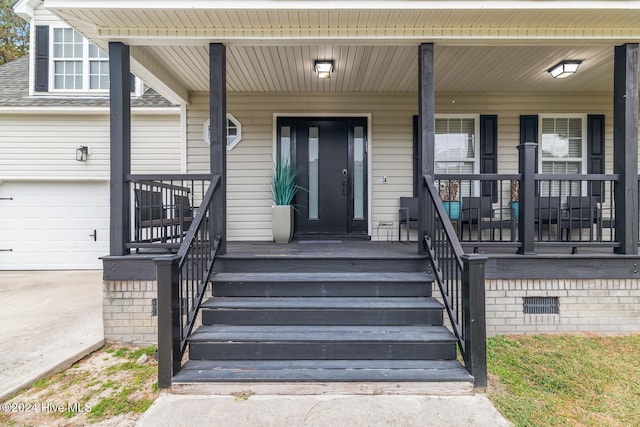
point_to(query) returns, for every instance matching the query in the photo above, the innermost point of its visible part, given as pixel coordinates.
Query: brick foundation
(604, 306)
(599, 305)
(127, 311)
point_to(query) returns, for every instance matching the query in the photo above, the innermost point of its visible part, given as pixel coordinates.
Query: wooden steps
(322, 311)
(322, 284)
(276, 330)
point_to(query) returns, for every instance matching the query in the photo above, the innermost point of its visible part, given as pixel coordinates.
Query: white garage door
(53, 225)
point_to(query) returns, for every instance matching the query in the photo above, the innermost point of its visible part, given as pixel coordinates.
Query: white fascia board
(349, 4)
(158, 77)
(87, 110)
(25, 9)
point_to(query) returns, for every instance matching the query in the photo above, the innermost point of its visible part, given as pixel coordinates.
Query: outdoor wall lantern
(564, 69)
(323, 68)
(82, 153)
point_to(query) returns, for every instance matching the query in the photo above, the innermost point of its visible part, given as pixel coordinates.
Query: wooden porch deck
(330, 248)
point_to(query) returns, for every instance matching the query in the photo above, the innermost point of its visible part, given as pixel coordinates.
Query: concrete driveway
(48, 321)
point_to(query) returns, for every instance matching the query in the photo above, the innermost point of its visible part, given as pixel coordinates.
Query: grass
(565, 380)
(543, 380)
(106, 384)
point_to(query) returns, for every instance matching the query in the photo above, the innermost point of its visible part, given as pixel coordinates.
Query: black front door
(330, 154)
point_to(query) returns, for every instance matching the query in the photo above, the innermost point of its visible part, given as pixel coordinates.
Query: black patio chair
(407, 215)
(548, 212)
(582, 213)
(479, 212)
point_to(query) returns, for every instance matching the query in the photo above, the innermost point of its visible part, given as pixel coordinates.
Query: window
(562, 151)
(78, 65)
(234, 132)
(455, 148)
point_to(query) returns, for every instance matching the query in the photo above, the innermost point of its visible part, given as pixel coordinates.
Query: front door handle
(94, 235)
(344, 182)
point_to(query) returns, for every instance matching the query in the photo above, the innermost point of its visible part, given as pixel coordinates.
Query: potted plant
(283, 190)
(515, 198)
(449, 196)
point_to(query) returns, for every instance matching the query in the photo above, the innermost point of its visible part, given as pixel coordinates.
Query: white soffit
(271, 45)
(452, 21)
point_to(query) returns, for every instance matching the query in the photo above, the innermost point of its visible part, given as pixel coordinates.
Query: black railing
(565, 210)
(460, 279)
(164, 207)
(182, 282)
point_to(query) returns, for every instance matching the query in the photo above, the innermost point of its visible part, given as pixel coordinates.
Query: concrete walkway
(337, 411)
(48, 321)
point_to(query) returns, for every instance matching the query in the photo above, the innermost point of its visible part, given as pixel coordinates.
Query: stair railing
(182, 281)
(460, 278)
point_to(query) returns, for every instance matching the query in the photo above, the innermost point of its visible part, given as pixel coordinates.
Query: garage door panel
(50, 225)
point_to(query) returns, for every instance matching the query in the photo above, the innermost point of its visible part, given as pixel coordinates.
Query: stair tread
(420, 277)
(326, 303)
(322, 370)
(313, 333)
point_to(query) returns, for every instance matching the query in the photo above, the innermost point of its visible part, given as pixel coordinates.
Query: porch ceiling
(480, 46)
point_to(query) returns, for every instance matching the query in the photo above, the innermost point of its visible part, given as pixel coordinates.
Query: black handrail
(182, 281)
(446, 254)
(460, 279)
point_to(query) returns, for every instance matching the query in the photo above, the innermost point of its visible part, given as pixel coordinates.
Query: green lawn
(566, 380)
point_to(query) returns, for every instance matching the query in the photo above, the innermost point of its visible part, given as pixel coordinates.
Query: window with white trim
(455, 148)
(563, 150)
(78, 65)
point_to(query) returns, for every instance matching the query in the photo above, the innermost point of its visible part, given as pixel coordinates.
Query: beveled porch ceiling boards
(366, 68)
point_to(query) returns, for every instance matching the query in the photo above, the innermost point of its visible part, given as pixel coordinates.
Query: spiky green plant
(283, 183)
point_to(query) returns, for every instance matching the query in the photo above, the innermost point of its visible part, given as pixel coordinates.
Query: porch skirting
(605, 306)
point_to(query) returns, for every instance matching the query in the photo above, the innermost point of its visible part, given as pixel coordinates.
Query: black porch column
(218, 137)
(120, 128)
(625, 146)
(527, 192)
(426, 132)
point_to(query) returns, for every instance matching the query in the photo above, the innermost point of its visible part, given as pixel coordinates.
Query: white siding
(249, 163)
(43, 146)
(43, 16)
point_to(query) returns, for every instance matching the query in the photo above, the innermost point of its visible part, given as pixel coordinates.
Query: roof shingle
(14, 92)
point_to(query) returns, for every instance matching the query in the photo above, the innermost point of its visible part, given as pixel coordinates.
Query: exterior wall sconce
(323, 68)
(564, 69)
(82, 153)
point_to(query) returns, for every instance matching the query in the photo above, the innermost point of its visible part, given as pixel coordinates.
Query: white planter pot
(282, 223)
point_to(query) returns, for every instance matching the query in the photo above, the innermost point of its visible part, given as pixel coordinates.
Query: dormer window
(78, 64)
(67, 63)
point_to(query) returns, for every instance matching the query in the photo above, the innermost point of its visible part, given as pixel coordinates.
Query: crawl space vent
(540, 305)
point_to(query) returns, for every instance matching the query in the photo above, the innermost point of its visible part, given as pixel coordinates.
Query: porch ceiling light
(564, 69)
(323, 68)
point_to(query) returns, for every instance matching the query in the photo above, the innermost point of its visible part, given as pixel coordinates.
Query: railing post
(426, 134)
(625, 146)
(527, 192)
(168, 309)
(218, 138)
(120, 147)
(474, 318)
